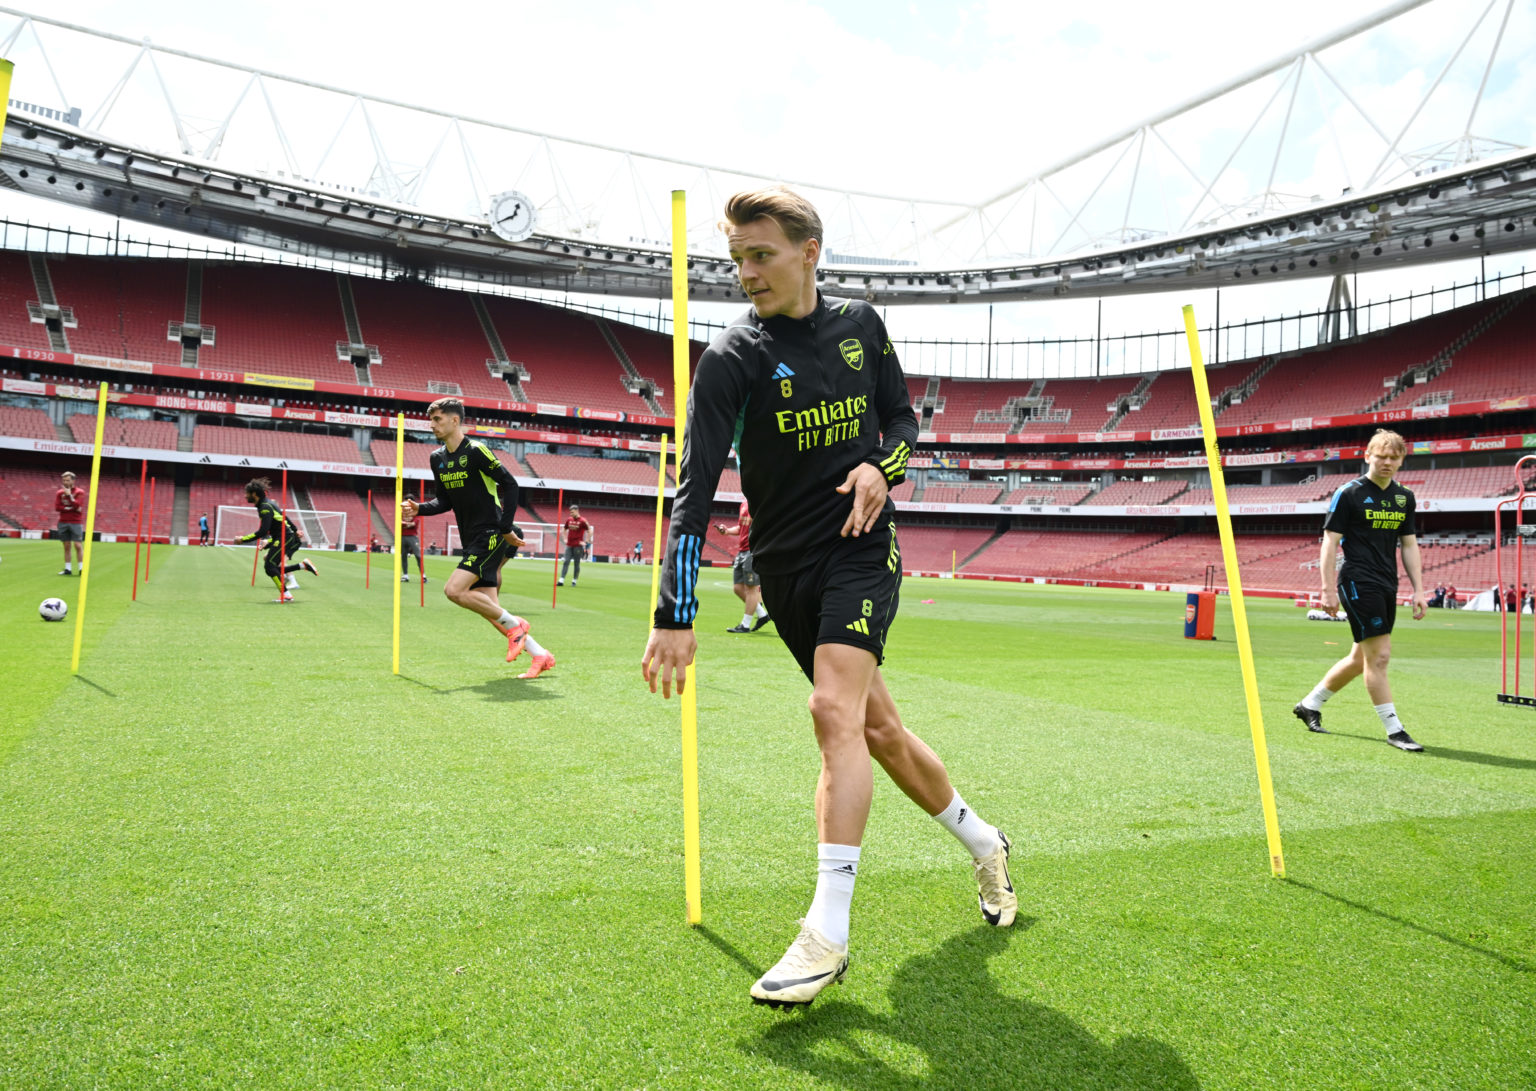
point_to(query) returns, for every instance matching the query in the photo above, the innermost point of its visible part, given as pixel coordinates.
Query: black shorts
(742, 571)
(483, 555)
(410, 544)
(848, 594)
(1371, 609)
(277, 549)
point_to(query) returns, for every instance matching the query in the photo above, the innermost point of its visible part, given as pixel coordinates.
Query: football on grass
(53, 609)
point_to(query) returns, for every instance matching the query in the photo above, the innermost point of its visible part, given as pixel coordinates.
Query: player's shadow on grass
(950, 1027)
(1512, 963)
(1476, 757)
(509, 688)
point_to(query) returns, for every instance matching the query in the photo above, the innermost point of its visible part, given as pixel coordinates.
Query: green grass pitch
(237, 852)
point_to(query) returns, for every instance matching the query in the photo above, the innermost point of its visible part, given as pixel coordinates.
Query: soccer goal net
(542, 540)
(321, 529)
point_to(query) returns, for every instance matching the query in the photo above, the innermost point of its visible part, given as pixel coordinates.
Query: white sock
(1389, 720)
(1315, 699)
(978, 837)
(66, 566)
(762, 611)
(837, 866)
(505, 621)
(533, 646)
(746, 621)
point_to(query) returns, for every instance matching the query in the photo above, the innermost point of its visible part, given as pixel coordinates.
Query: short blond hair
(1387, 442)
(796, 216)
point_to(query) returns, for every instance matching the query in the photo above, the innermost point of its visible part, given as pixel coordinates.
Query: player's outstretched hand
(869, 491)
(408, 508)
(668, 652)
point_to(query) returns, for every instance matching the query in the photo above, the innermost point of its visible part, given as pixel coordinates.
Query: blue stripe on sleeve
(1337, 493)
(685, 606)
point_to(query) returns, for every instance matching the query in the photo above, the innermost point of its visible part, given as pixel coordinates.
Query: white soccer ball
(53, 609)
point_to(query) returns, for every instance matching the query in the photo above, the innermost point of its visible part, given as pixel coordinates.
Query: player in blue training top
(810, 391)
(1369, 517)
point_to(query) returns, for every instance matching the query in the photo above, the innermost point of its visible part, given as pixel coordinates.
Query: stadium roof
(1085, 226)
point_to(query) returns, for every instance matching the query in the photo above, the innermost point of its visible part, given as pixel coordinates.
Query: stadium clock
(512, 216)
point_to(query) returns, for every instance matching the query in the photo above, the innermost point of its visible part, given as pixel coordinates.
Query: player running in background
(470, 481)
(814, 390)
(578, 535)
(744, 581)
(1369, 516)
(69, 502)
(281, 535)
(202, 529)
(410, 546)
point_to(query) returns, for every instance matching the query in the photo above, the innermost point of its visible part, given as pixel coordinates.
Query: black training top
(473, 483)
(272, 523)
(805, 400)
(1371, 521)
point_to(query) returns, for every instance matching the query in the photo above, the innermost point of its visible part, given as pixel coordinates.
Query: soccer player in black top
(281, 535)
(482, 494)
(811, 391)
(1370, 516)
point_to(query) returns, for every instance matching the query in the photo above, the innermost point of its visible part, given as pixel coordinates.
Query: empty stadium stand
(416, 454)
(274, 320)
(1058, 553)
(124, 431)
(575, 468)
(425, 336)
(123, 309)
(933, 549)
(568, 361)
(964, 399)
(226, 440)
(971, 492)
(1139, 493)
(651, 353)
(16, 291)
(27, 496)
(1349, 376)
(1498, 363)
(1051, 492)
(27, 423)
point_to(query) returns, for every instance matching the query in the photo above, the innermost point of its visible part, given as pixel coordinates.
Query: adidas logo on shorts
(859, 626)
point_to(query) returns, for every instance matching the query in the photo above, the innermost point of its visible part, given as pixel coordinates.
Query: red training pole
(282, 552)
(368, 545)
(149, 550)
(138, 534)
(421, 554)
(554, 577)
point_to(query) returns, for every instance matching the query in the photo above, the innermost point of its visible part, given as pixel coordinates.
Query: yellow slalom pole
(661, 486)
(395, 549)
(692, 885)
(1235, 588)
(6, 68)
(90, 524)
